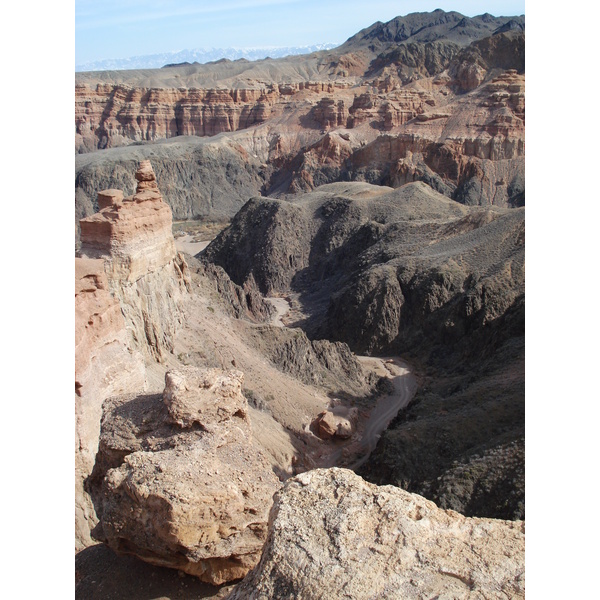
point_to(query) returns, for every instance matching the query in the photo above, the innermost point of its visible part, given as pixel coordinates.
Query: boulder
(333, 535)
(338, 422)
(204, 396)
(177, 495)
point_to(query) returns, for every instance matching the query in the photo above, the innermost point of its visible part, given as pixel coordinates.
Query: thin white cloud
(88, 18)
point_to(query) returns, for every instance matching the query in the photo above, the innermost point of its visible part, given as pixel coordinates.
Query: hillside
(408, 272)
(300, 320)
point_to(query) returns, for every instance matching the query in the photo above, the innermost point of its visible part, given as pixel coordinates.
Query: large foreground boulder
(176, 491)
(333, 535)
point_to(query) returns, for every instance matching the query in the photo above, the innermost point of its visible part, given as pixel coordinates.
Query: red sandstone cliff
(129, 283)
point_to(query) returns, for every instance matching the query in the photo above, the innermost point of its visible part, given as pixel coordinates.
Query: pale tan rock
(184, 498)
(333, 535)
(105, 364)
(204, 396)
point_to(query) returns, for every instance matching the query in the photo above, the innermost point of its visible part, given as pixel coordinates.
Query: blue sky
(124, 28)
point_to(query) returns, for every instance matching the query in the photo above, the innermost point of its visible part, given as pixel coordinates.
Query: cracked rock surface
(333, 535)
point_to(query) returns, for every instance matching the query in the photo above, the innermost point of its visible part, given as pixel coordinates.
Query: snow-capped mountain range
(200, 55)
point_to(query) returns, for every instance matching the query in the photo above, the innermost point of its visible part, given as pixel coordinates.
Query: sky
(124, 28)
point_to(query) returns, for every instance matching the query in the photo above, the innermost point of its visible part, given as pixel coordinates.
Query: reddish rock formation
(338, 422)
(330, 112)
(133, 234)
(129, 282)
(113, 115)
(105, 364)
(391, 107)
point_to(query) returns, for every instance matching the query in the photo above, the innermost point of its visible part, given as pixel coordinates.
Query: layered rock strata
(179, 482)
(129, 284)
(396, 108)
(105, 364)
(133, 236)
(332, 534)
(108, 115)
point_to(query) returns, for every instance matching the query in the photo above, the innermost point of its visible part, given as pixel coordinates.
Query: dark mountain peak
(512, 25)
(431, 26)
(485, 17)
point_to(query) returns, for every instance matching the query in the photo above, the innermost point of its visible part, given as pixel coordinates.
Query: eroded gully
(404, 387)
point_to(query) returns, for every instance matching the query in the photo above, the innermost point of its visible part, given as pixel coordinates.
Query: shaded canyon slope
(409, 272)
(434, 97)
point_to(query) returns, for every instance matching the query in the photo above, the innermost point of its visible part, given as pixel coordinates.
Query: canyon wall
(409, 272)
(112, 115)
(388, 110)
(129, 282)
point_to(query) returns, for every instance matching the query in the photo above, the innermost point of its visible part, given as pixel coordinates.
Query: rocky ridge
(409, 272)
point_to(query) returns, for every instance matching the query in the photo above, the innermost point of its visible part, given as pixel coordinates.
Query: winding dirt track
(405, 387)
(395, 369)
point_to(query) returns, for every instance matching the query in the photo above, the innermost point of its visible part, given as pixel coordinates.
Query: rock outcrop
(133, 236)
(105, 364)
(128, 286)
(108, 115)
(317, 362)
(240, 302)
(331, 534)
(206, 397)
(179, 482)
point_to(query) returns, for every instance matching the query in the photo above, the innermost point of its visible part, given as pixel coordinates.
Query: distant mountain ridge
(432, 26)
(198, 55)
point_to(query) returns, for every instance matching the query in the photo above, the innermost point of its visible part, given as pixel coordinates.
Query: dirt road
(404, 388)
(186, 244)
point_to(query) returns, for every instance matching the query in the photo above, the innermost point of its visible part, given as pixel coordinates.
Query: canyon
(324, 390)
(442, 103)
